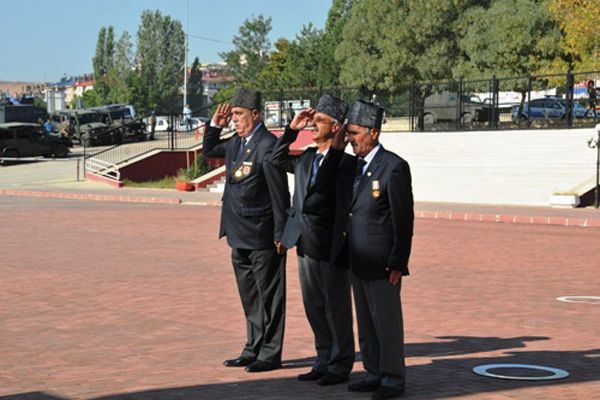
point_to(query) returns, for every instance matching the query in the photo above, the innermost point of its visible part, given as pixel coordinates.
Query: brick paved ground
(136, 301)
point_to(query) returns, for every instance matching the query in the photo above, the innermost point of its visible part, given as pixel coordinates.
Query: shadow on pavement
(441, 378)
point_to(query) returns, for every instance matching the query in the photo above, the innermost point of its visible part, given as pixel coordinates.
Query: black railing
(526, 102)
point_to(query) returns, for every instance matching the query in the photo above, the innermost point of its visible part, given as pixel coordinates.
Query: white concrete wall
(495, 167)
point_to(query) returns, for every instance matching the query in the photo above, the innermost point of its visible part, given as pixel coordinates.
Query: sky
(43, 40)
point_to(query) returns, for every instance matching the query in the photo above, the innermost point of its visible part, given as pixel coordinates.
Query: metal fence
(527, 102)
(171, 132)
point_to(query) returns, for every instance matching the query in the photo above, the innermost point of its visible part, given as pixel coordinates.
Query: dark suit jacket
(314, 206)
(373, 229)
(256, 194)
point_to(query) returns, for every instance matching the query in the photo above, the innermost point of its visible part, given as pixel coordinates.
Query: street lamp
(594, 143)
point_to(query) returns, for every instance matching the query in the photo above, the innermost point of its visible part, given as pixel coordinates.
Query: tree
(305, 58)
(510, 38)
(91, 98)
(195, 87)
(159, 62)
(251, 52)
(579, 22)
(99, 64)
(119, 75)
(276, 74)
(328, 70)
(387, 43)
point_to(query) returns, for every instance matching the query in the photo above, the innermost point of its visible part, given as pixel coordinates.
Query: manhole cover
(580, 299)
(555, 373)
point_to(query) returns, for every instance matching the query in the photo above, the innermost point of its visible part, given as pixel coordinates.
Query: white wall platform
(495, 167)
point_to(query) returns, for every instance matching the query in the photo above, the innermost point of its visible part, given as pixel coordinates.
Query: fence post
(529, 84)
(495, 111)
(280, 107)
(569, 98)
(172, 133)
(460, 123)
(411, 107)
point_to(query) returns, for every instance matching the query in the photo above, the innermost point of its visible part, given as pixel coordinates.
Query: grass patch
(168, 182)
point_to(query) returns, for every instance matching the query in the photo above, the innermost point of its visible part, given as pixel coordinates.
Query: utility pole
(187, 28)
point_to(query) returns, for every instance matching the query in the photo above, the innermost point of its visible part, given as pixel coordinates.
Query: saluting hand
(302, 119)
(340, 140)
(222, 116)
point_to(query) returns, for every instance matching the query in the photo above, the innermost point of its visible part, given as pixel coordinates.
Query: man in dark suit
(325, 286)
(373, 233)
(252, 217)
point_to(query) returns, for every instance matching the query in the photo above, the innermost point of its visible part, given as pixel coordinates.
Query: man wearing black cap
(252, 217)
(373, 234)
(325, 287)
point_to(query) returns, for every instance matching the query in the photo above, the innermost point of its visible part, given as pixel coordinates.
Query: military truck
(119, 117)
(84, 125)
(23, 139)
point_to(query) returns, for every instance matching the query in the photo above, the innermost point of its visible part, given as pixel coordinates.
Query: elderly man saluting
(252, 217)
(325, 286)
(372, 234)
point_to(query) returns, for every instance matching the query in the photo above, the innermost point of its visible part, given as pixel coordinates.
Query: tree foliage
(159, 62)
(510, 38)
(580, 22)
(119, 75)
(195, 87)
(251, 53)
(386, 43)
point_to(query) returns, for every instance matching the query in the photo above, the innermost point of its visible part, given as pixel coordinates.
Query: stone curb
(444, 215)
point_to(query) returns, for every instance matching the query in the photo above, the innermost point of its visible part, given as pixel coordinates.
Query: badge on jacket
(375, 192)
(243, 170)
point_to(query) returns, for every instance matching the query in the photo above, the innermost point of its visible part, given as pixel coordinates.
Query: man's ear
(375, 134)
(255, 115)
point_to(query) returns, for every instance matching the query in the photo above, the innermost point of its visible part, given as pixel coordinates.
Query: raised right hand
(302, 119)
(222, 116)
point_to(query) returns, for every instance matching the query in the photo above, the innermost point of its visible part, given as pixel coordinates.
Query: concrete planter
(564, 200)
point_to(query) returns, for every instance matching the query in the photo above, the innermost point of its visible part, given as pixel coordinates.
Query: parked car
(444, 106)
(196, 122)
(162, 124)
(547, 108)
(22, 139)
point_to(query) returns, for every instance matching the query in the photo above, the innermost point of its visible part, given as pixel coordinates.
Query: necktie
(358, 175)
(240, 151)
(315, 168)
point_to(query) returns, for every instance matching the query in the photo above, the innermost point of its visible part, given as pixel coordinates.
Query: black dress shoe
(331, 379)
(238, 362)
(262, 366)
(364, 386)
(313, 375)
(387, 392)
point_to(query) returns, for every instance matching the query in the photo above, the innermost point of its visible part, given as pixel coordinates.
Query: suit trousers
(260, 276)
(328, 306)
(380, 330)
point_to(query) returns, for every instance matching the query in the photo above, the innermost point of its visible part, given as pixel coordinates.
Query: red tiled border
(507, 218)
(92, 197)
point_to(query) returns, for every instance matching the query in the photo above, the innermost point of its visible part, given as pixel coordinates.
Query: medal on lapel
(375, 192)
(243, 171)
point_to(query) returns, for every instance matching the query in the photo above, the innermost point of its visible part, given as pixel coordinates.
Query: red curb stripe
(89, 196)
(510, 219)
